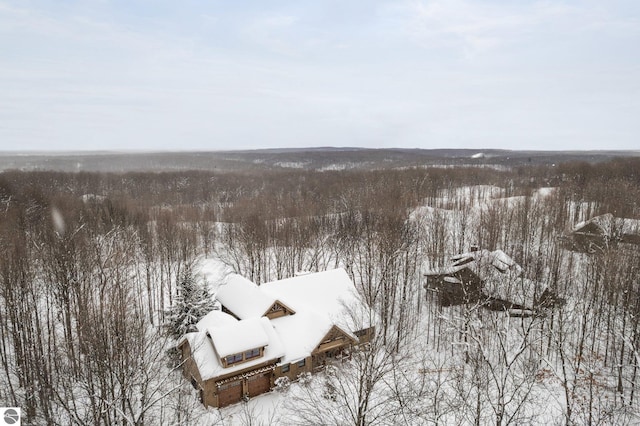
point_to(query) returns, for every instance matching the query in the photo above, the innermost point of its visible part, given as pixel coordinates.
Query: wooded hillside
(92, 262)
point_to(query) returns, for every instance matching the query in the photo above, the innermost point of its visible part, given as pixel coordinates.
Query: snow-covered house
(282, 328)
(601, 231)
(490, 278)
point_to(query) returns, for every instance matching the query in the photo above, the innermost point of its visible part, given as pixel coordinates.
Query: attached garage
(259, 383)
(229, 393)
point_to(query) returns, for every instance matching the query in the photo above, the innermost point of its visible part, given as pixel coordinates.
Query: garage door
(229, 393)
(260, 383)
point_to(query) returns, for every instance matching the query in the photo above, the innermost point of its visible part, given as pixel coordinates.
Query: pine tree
(192, 302)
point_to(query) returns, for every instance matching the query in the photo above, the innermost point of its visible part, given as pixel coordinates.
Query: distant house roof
(485, 264)
(520, 291)
(499, 275)
(601, 225)
(630, 226)
(608, 225)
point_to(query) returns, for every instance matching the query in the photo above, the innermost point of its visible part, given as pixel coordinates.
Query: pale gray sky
(208, 75)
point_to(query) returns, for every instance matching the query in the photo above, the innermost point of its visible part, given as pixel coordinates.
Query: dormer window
(252, 353)
(232, 359)
(241, 357)
(242, 341)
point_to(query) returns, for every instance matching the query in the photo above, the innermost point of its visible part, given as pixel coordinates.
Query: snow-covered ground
(524, 362)
(434, 365)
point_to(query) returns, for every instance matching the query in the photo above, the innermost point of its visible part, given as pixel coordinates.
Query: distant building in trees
(279, 329)
(600, 232)
(491, 279)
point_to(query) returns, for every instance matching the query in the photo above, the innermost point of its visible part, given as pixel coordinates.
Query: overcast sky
(208, 75)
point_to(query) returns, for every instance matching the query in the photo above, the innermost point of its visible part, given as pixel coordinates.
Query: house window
(285, 368)
(232, 359)
(252, 353)
(301, 363)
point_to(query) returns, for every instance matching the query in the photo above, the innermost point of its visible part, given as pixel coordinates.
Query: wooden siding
(230, 393)
(331, 346)
(258, 384)
(209, 389)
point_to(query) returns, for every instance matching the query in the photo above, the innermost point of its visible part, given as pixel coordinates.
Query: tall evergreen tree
(192, 302)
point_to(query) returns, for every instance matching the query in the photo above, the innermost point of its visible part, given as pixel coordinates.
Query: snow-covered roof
(483, 263)
(301, 333)
(238, 337)
(607, 224)
(320, 300)
(243, 298)
(630, 226)
(208, 361)
(604, 224)
(215, 319)
(501, 261)
(521, 291)
(500, 274)
(329, 293)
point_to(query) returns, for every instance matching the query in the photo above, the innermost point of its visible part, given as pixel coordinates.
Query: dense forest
(92, 263)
